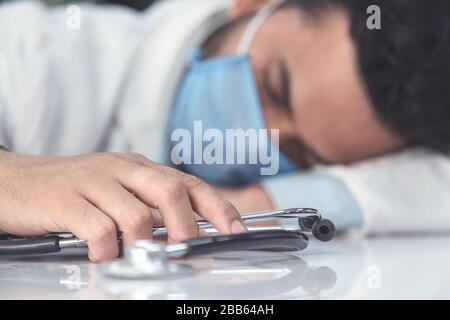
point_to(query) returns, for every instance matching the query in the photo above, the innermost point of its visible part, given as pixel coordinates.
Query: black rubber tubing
(29, 246)
(271, 240)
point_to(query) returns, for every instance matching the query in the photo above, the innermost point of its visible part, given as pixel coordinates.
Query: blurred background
(137, 4)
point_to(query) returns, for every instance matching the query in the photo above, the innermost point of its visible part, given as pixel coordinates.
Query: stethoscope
(150, 259)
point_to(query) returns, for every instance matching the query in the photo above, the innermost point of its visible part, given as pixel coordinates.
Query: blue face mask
(221, 94)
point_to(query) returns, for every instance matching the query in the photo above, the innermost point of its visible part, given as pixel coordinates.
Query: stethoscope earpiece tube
(29, 246)
(324, 230)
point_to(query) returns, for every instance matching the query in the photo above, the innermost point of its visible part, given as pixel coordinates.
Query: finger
(201, 234)
(211, 206)
(88, 223)
(157, 218)
(208, 203)
(204, 199)
(166, 193)
(133, 217)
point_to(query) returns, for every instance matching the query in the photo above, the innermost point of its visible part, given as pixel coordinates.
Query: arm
(404, 192)
(42, 112)
(305, 189)
(59, 86)
(253, 198)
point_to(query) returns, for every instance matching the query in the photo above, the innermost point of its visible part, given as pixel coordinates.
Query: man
(338, 92)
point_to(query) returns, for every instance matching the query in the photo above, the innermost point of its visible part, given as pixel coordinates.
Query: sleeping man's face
(307, 75)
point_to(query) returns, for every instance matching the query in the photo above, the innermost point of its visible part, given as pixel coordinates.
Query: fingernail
(237, 226)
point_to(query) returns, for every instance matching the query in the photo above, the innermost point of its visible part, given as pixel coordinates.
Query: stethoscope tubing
(269, 238)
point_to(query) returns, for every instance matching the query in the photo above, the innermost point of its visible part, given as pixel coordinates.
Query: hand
(95, 196)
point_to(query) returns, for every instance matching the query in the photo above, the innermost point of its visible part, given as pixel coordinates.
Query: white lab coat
(105, 86)
(109, 86)
(408, 192)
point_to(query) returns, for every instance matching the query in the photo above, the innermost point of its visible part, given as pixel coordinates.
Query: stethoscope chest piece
(145, 260)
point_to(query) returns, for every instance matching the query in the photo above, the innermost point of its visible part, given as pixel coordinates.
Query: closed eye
(285, 85)
(281, 95)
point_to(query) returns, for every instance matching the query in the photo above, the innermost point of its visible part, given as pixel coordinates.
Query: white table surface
(395, 267)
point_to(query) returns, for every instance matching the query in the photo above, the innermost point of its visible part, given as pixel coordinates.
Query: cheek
(315, 120)
(276, 118)
(341, 126)
(326, 119)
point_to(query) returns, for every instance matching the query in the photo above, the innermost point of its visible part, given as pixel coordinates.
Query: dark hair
(405, 65)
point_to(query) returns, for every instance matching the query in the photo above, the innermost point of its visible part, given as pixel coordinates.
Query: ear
(244, 7)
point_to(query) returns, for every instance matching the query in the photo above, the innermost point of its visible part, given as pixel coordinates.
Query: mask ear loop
(256, 24)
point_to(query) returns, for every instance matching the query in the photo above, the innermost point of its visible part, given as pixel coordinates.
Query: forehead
(320, 56)
(322, 49)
